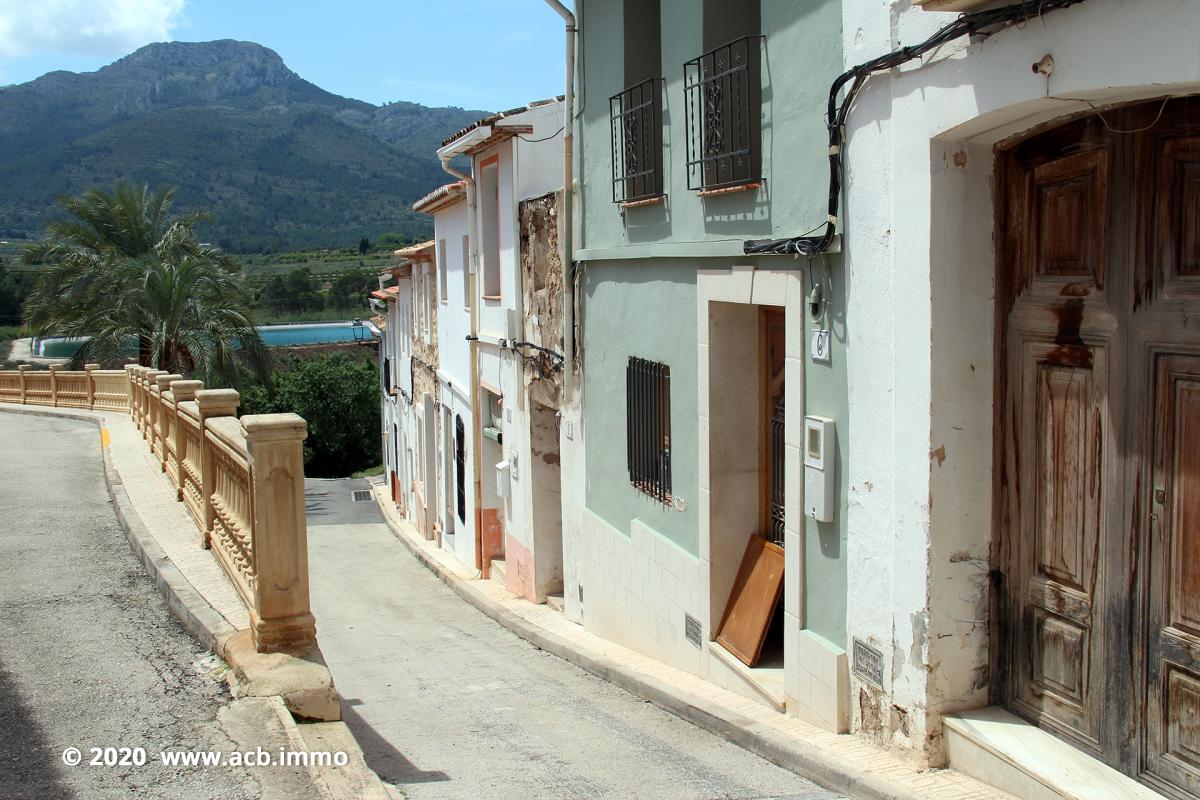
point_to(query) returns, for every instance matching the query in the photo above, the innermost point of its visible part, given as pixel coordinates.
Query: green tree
(124, 271)
(339, 397)
(364, 246)
(350, 289)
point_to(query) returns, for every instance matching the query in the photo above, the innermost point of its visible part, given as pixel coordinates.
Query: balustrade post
(181, 392)
(281, 619)
(21, 370)
(90, 382)
(148, 413)
(54, 368)
(212, 403)
(163, 381)
(129, 392)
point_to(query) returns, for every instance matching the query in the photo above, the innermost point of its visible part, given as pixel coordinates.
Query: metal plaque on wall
(868, 663)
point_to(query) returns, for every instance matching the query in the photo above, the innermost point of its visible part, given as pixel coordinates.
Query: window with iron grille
(637, 142)
(723, 114)
(648, 426)
(460, 466)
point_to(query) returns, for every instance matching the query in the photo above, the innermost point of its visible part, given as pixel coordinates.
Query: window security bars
(637, 145)
(722, 108)
(648, 427)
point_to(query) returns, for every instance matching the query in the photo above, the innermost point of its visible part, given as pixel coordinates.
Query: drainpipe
(568, 251)
(473, 360)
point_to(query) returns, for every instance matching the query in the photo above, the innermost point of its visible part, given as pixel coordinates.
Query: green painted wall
(645, 309)
(640, 303)
(800, 57)
(825, 395)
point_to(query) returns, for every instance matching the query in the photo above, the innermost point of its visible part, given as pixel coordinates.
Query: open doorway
(494, 485)
(747, 489)
(547, 504)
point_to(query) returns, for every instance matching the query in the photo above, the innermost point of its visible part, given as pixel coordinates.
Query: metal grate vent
(691, 629)
(868, 662)
(361, 496)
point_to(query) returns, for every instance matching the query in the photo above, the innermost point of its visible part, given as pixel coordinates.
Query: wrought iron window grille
(637, 142)
(648, 427)
(722, 92)
(777, 471)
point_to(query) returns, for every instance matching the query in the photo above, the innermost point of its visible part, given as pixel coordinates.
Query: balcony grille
(648, 427)
(637, 146)
(723, 108)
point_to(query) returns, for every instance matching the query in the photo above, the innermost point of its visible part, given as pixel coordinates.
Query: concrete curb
(816, 764)
(211, 629)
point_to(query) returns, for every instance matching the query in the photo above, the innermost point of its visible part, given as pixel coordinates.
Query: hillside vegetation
(279, 162)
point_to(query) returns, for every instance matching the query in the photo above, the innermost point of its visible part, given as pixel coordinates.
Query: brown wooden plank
(752, 601)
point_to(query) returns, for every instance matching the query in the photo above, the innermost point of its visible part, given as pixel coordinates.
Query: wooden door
(1098, 448)
(1062, 403)
(1098, 437)
(1167, 347)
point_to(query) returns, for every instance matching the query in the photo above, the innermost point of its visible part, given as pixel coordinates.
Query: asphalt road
(90, 655)
(448, 705)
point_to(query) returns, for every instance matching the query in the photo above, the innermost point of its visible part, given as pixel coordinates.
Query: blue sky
(483, 54)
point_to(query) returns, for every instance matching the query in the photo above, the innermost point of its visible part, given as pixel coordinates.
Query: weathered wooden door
(1098, 496)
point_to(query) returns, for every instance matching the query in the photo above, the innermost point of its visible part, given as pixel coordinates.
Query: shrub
(339, 397)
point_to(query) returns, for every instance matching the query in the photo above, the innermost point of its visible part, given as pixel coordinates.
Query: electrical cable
(836, 113)
(544, 138)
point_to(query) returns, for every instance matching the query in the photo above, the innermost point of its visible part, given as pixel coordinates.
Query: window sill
(647, 201)
(494, 297)
(741, 187)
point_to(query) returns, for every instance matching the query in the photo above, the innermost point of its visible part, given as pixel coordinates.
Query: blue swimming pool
(273, 336)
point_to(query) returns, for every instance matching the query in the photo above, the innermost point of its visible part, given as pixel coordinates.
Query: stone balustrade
(90, 387)
(241, 479)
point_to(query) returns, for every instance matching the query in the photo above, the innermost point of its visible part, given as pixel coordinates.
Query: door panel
(1178, 215)
(1059, 661)
(1173, 718)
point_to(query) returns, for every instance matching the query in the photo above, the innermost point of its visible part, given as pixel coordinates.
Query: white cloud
(84, 27)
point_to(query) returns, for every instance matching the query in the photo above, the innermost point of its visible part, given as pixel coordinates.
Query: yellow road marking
(104, 438)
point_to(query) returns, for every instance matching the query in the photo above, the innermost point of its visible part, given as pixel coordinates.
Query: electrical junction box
(502, 479)
(820, 443)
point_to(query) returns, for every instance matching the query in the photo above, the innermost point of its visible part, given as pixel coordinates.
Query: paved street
(448, 704)
(90, 656)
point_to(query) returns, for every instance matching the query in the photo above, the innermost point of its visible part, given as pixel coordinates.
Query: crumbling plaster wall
(542, 287)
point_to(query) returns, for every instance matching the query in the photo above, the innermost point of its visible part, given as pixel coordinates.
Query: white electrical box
(820, 443)
(502, 479)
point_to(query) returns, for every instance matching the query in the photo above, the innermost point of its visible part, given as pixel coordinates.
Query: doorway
(746, 397)
(547, 504)
(1097, 399)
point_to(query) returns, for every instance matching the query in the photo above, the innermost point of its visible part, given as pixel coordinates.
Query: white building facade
(1016, 220)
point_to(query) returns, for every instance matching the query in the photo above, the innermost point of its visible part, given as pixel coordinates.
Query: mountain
(278, 162)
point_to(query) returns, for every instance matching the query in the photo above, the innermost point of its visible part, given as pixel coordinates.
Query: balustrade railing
(241, 479)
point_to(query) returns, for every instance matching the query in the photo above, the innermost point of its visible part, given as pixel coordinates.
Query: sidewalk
(848, 764)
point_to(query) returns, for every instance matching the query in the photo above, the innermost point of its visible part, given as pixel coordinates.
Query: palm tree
(122, 270)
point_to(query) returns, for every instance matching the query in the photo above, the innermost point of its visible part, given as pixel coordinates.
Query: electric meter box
(820, 443)
(502, 475)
